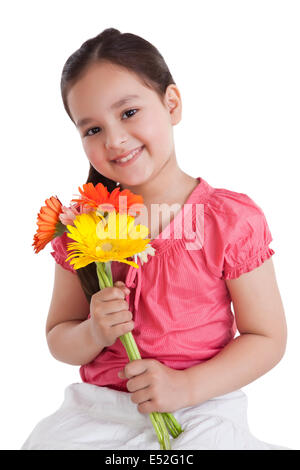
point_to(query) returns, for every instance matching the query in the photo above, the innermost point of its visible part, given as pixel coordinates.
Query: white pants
(92, 418)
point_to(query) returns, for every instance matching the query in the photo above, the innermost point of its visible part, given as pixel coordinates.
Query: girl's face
(109, 129)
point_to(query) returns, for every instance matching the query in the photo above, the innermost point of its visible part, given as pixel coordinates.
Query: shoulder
(232, 203)
(236, 233)
(233, 213)
(59, 244)
(60, 253)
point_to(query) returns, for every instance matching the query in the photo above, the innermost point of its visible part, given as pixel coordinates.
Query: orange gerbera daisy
(131, 199)
(49, 225)
(95, 196)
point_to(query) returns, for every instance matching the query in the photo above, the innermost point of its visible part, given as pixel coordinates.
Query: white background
(236, 64)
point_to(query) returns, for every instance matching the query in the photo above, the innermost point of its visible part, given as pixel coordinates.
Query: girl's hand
(155, 387)
(110, 317)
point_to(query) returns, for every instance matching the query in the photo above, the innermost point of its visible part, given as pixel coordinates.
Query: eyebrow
(116, 105)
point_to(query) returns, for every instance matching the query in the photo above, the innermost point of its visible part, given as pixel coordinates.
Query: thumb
(119, 284)
(122, 286)
(121, 374)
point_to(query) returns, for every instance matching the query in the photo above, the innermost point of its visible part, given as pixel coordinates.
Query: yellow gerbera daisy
(114, 238)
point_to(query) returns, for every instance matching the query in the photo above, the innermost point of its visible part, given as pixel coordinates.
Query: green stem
(161, 431)
(108, 272)
(133, 346)
(100, 277)
(165, 444)
(128, 346)
(162, 422)
(173, 422)
(104, 275)
(169, 419)
(172, 428)
(157, 429)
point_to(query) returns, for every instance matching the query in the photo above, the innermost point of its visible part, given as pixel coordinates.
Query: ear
(173, 103)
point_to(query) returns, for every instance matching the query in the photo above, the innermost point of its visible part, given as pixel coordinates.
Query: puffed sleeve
(237, 235)
(60, 253)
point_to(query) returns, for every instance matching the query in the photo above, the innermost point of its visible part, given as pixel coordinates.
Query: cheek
(157, 132)
(92, 152)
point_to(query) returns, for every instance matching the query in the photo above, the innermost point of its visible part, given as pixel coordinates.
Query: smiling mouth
(130, 158)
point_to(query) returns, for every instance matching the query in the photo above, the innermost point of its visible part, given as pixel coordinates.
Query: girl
(120, 95)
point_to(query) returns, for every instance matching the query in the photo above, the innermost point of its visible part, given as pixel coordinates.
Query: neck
(170, 184)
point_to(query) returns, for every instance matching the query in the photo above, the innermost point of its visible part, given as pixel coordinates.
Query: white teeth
(129, 157)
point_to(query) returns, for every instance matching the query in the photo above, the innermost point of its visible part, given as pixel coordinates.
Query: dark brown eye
(87, 132)
(125, 112)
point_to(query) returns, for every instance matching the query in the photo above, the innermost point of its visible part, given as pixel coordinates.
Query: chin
(136, 178)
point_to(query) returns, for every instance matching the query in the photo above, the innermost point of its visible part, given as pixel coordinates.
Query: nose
(114, 138)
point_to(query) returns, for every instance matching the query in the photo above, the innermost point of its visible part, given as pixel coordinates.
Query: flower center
(106, 247)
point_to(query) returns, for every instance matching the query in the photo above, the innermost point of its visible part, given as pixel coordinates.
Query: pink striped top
(179, 299)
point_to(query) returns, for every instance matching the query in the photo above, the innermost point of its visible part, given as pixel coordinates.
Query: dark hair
(133, 53)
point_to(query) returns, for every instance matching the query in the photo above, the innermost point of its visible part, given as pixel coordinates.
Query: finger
(136, 367)
(112, 293)
(147, 407)
(115, 319)
(141, 396)
(139, 383)
(114, 306)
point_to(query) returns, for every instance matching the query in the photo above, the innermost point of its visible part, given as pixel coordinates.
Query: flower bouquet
(102, 232)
